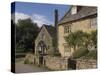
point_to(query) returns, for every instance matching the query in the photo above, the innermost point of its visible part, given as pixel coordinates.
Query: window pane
(67, 28)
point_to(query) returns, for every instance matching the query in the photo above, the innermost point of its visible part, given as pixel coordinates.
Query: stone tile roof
(51, 30)
(84, 11)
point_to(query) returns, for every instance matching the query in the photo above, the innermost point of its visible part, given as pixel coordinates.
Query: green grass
(18, 50)
(21, 52)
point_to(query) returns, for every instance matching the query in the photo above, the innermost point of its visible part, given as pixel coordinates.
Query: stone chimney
(56, 22)
(56, 27)
(56, 18)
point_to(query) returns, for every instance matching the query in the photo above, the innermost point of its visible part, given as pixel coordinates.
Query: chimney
(56, 18)
(56, 22)
(56, 29)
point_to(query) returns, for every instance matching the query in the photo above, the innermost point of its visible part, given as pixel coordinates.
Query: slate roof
(84, 11)
(51, 30)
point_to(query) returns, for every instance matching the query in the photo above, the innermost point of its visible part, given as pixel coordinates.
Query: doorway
(71, 64)
(41, 51)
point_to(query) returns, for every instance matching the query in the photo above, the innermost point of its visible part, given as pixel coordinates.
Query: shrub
(92, 55)
(27, 61)
(80, 52)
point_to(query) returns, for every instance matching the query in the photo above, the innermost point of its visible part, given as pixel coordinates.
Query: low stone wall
(59, 63)
(86, 64)
(56, 63)
(53, 63)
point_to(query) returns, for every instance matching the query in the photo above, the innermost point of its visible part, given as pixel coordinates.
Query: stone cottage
(50, 39)
(77, 18)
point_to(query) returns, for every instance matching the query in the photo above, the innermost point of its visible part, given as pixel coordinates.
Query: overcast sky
(38, 12)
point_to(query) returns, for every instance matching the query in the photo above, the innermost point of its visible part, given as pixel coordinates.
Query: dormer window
(74, 10)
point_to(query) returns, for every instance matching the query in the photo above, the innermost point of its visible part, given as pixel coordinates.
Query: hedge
(80, 52)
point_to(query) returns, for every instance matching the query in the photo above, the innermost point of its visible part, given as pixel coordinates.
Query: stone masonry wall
(59, 63)
(86, 64)
(56, 63)
(53, 63)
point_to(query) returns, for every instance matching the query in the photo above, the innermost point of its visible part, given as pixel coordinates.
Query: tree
(81, 39)
(70, 39)
(94, 38)
(75, 39)
(87, 40)
(26, 32)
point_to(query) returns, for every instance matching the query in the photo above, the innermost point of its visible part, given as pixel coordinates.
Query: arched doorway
(42, 52)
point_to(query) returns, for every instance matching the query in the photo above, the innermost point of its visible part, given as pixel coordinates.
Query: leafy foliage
(94, 38)
(91, 55)
(81, 41)
(27, 61)
(80, 52)
(26, 32)
(75, 39)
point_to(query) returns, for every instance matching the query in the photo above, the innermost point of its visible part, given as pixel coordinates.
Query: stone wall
(59, 63)
(53, 63)
(86, 64)
(56, 63)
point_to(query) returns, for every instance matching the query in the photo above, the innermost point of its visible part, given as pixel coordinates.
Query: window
(74, 10)
(93, 23)
(67, 28)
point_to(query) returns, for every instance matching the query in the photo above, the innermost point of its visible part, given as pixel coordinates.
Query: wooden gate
(71, 64)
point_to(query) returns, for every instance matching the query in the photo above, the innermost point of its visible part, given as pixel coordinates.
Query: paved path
(25, 68)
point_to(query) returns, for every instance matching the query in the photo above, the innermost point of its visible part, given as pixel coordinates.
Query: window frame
(67, 28)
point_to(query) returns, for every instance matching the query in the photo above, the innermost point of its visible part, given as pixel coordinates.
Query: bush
(80, 52)
(91, 55)
(27, 61)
